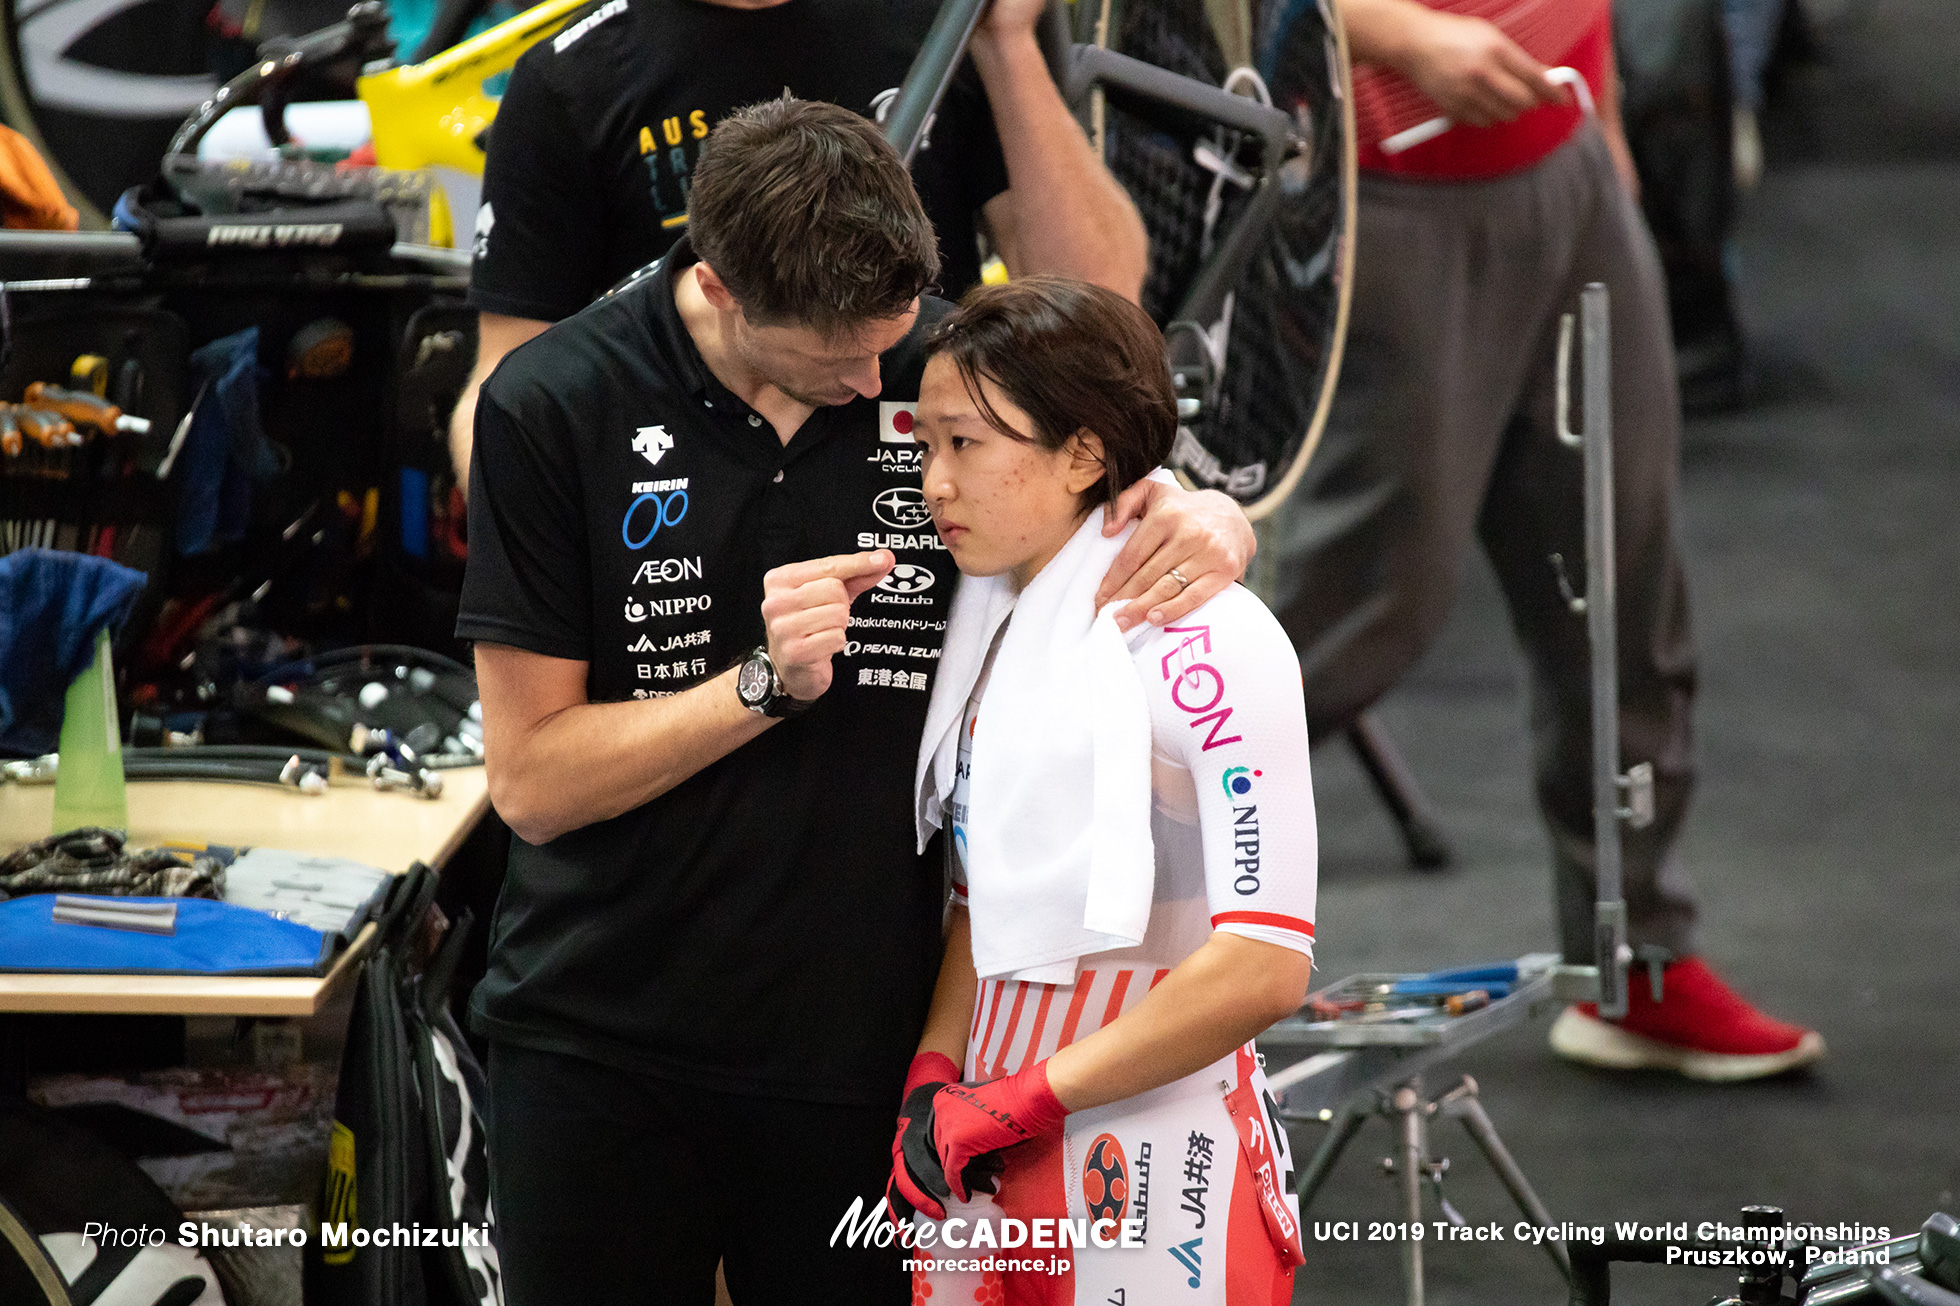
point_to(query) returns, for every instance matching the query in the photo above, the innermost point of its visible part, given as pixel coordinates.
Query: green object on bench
(88, 789)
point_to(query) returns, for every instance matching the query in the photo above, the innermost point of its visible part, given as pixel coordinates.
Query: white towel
(1058, 854)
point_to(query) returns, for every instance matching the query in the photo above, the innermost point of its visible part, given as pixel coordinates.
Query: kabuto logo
(902, 507)
(1106, 1179)
(907, 578)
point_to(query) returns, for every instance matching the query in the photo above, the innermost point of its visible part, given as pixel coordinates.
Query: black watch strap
(761, 688)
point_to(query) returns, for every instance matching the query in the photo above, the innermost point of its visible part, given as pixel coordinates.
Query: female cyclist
(1132, 846)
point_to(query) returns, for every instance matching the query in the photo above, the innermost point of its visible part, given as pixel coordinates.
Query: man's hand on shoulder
(1202, 535)
(806, 607)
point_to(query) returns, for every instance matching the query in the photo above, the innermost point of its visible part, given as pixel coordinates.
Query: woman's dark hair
(1073, 357)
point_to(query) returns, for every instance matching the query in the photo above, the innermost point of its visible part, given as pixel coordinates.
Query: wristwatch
(761, 689)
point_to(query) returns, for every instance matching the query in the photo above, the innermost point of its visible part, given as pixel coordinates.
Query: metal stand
(1605, 980)
(1346, 1071)
(1412, 1163)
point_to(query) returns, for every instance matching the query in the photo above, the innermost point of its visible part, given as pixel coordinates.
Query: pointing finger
(863, 580)
(840, 566)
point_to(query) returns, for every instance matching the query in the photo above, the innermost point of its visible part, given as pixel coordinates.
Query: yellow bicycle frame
(430, 114)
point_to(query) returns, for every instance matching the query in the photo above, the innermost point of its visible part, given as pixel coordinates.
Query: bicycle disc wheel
(1280, 344)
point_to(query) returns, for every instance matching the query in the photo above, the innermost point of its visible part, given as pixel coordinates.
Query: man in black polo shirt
(592, 156)
(716, 945)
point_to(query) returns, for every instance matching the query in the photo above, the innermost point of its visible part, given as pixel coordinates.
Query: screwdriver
(49, 430)
(86, 409)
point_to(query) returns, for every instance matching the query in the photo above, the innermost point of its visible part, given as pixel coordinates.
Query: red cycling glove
(930, 1068)
(904, 1194)
(948, 1134)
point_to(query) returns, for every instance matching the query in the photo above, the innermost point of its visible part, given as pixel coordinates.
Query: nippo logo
(1106, 1179)
(902, 507)
(1238, 781)
(895, 422)
(907, 578)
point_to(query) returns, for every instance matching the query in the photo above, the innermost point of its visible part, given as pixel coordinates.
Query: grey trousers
(1443, 427)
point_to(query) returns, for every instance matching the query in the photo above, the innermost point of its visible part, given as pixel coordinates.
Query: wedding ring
(1183, 581)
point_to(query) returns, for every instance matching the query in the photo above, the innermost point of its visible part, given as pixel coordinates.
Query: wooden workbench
(351, 820)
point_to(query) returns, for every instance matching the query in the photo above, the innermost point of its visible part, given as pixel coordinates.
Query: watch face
(752, 681)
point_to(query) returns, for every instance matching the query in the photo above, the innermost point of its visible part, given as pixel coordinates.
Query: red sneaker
(1701, 1028)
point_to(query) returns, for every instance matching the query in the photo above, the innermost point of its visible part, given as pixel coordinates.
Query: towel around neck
(1059, 858)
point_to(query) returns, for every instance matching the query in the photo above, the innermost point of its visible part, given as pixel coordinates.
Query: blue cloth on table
(226, 449)
(52, 606)
(212, 938)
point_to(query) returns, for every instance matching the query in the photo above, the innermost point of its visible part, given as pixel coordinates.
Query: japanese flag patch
(895, 422)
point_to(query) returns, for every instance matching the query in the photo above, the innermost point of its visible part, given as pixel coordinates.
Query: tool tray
(1401, 1009)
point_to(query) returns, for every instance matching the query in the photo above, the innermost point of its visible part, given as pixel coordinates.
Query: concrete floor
(1819, 528)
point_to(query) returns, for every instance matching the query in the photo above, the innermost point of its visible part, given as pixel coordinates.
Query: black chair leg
(1422, 831)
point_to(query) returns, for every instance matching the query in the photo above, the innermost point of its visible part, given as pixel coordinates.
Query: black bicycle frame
(1150, 92)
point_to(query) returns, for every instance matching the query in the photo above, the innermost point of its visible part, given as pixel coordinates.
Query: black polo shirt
(599, 131)
(766, 926)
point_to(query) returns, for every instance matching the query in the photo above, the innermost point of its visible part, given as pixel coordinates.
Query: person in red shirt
(1489, 196)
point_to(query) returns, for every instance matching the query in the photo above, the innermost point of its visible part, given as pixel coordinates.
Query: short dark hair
(1073, 357)
(808, 216)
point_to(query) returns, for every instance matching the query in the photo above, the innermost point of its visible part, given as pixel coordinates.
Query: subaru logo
(907, 578)
(903, 507)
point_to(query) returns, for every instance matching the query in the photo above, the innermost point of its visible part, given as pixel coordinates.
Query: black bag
(407, 1148)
